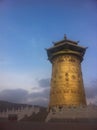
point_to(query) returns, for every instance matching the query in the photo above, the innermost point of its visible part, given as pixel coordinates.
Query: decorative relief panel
(66, 80)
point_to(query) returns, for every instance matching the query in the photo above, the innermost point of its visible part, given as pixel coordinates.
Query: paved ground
(5, 125)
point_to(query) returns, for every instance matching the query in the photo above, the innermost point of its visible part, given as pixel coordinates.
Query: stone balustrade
(20, 112)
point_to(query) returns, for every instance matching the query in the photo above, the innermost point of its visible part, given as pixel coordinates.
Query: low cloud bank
(23, 96)
(42, 97)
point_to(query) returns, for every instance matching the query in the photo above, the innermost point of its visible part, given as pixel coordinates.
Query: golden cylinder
(67, 87)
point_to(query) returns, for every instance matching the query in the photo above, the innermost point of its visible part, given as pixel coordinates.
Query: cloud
(14, 95)
(41, 97)
(13, 80)
(91, 92)
(23, 96)
(38, 96)
(43, 93)
(44, 82)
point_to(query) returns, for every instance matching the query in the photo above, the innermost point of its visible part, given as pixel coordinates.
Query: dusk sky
(27, 27)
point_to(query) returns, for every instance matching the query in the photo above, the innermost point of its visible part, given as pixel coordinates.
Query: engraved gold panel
(67, 83)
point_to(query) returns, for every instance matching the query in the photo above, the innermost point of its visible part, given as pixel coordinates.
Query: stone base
(72, 113)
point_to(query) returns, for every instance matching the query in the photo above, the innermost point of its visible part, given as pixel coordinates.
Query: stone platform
(47, 126)
(72, 113)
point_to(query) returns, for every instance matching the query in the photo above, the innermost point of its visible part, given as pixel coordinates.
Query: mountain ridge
(10, 105)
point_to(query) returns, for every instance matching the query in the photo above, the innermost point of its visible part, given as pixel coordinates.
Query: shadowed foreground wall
(47, 126)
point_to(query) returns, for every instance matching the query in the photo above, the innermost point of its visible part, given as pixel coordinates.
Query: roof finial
(77, 41)
(65, 37)
(53, 42)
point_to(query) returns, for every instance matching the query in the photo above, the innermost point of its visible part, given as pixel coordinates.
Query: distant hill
(9, 105)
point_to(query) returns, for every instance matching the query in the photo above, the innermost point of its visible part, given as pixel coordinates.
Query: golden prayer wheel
(67, 87)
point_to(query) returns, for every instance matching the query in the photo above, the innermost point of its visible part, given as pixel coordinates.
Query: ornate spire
(65, 37)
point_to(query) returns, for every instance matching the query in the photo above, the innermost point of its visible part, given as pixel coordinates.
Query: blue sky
(27, 27)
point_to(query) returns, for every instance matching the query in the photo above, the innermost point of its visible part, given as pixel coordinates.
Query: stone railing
(20, 112)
